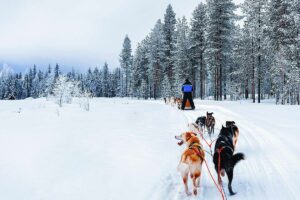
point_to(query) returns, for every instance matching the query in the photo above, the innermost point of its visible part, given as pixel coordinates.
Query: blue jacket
(187, 87)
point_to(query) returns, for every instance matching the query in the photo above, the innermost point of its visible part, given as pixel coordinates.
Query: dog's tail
(236, 158)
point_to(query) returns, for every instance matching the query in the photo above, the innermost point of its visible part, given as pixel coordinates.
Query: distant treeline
(36, 83)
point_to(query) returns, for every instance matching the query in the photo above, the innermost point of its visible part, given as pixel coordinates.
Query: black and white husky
(224, 157)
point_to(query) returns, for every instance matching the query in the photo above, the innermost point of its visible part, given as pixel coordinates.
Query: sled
(188, 105)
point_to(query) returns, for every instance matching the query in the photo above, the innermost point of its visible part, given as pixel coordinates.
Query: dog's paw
(222, 172)
(188, 193)
(195, 192)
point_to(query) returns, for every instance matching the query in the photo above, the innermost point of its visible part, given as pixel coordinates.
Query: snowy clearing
(125, 149)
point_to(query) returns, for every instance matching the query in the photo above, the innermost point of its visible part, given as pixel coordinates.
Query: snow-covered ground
(125, 149)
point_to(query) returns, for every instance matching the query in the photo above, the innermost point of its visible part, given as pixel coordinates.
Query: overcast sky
(77, 33)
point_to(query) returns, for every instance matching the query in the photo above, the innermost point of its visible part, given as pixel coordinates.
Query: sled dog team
(224, 157)
(173, 101)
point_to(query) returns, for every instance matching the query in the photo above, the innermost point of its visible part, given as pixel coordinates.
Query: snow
(125, 149)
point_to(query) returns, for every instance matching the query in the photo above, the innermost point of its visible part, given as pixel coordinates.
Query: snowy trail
(125, 149)
(270, 170)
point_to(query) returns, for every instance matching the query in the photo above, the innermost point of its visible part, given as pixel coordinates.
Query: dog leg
(198, 179)
(229, 173)
(195, 182)
(185, 180)
(195, 185)
(184, 170)
(198, 182)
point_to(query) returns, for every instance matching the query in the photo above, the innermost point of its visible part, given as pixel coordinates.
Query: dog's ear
(223, 127)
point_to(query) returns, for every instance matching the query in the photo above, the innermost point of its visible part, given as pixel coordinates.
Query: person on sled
(187, 89)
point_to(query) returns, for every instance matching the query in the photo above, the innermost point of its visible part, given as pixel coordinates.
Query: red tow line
(208, 144)
(220, 189)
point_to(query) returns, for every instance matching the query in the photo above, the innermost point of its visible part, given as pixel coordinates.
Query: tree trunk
(259, 58)
(253, 73)
(247, 89)
(216, 84)
(194, 81)
(220, 76)
(201, 76)
(225, 97)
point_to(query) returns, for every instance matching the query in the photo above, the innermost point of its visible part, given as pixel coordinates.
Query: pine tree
(220, 36)
(117, 74)
(166, 87)
(198, 44)
(170, 41)
(97, 82)
(126, 64)
(183, 67)
(105, 80)
(282, 33)
(49, 81)
(156, 57)
(140, 65)
(143, 89)
(255, 13)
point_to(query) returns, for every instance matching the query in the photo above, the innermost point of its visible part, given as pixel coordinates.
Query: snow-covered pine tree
(282, 35)
(126, 64)
(170, 41)
(166, 87)
(236, 78)
(97, 82)
(36, 83)
(11, 87)
(144, 89)
(255, 21)
(89, 82)
(183, 65)
(155, 58)
(117, 82)
(19, 86)
(219, 49)
(105, 80)
(140, 64)
(7, 84)
(198, 44)
(56, 72)
(49, 80)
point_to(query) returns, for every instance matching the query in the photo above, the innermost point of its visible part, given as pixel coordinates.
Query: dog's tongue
(180, 143)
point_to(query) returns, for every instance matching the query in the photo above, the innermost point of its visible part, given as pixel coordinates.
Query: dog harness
(227, 142)
(195, 146)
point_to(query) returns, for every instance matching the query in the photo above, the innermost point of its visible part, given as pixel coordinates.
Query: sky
(77, 33)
